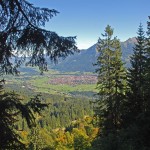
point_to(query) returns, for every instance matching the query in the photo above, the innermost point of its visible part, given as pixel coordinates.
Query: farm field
(54, 82)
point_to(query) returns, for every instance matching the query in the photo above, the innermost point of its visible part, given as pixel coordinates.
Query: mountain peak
(131, 40)
(84, 60)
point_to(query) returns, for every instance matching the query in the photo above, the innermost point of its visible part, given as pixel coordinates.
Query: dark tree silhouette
(22, 35)
(136, 78)
(11, 108)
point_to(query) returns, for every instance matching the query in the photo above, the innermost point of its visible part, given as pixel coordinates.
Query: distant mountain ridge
(84, 60)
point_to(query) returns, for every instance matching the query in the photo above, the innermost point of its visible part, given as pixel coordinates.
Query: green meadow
(40, 83)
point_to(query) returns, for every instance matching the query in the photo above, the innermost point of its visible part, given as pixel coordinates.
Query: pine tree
(137, 114)
(136, 78)
(36, 141)
(147, 77)
(143, 121)
(22, 35)
(20, 25)
(111, 82)
(12, 107)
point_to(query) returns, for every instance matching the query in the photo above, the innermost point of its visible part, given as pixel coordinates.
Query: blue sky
(87, 19)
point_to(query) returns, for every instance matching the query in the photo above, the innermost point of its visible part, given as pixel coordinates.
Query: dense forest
(123, 104)
(116, 118)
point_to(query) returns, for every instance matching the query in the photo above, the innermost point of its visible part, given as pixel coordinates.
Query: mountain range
(84, 60)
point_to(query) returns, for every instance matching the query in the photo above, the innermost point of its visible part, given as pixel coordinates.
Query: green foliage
(11, 108)
(36, 140)
(111, 82)
(62, 139)
(132, 102)
(147, 76)
(83, 86)
(136, 78)
(81, 143)
(136, 114)
(21, 23)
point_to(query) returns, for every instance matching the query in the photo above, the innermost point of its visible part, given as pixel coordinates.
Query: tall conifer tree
(137, 114)
(147, 77)
(136, 78)
(111, 81)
